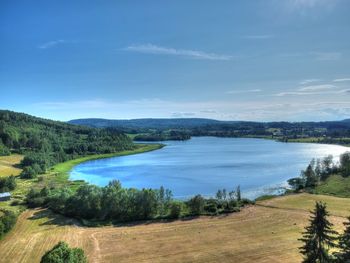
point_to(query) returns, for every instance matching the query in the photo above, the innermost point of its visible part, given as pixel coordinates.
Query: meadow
(266, 232)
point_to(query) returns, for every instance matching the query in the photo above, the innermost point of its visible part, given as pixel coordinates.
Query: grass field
(267, 232)
(7, 163)
(335, 185)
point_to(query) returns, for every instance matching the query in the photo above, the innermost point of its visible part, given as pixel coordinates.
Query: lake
(203, 165)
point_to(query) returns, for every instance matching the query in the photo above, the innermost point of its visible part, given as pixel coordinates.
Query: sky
(257, 60)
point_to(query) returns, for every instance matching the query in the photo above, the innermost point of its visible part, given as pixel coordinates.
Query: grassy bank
(335, 185)
(64, 168)
(57, 176)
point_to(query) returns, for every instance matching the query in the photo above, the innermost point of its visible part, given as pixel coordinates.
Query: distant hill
(172, 123)
(148, 123)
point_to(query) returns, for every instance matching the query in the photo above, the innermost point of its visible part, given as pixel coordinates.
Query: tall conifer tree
(318, 237)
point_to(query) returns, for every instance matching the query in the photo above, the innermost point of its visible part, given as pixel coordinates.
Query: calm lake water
(203, 165)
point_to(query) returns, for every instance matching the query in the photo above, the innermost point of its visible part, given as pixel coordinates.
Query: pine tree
(238, 193)
(318, 237)
(310, 177)
(344, 244)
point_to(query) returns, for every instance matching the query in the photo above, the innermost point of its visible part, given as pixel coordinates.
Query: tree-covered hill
(325, 132)
(46, 142)
(147, 123)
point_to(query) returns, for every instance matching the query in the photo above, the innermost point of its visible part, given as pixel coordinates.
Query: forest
(334, 132)
(45, 142)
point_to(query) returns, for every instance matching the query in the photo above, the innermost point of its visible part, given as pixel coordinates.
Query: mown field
(266, 232)
(7, 163)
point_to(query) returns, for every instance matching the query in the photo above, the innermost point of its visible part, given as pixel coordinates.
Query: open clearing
(7, 163)
(267, 232)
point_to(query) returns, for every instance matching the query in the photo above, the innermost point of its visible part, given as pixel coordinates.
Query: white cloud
(341, 80)
(221, 109)
(243, 91)
(309, 4)
(183, 114)
(159, 50)
(326, 56)
(307, 81)
(325, 89)
(318, 87)
(54, 43)
(258, 36)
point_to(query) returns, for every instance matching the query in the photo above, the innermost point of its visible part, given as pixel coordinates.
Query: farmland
(266, 232)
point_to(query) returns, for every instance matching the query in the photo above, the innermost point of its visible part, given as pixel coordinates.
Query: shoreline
(63, 169)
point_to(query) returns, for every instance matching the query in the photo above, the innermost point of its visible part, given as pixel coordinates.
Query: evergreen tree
(310, 177)
(238, 193)
(318, 237)
(344, 244)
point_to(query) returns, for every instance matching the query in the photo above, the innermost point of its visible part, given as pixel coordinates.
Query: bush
(7, 221)
(211, 206)
(7, 184)
(62, 253)
(175, 209)
(28, 173)
(4, 151)
(196, 205)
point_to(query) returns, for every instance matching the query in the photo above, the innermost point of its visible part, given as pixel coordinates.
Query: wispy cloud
(222, 109)
(318, 87)
(243, 91)
(341, 80)
(325, 89)
(325, 56)
(310, 4)
(159, 50)
(54, 43)
(308, 81)
(183, 114)
(257, 36)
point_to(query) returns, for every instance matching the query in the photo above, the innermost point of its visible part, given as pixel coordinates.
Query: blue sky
(258, 60)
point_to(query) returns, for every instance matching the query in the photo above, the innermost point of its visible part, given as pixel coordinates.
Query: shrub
(175, 209)
(196, 205)
(7, 221)
(62, 253)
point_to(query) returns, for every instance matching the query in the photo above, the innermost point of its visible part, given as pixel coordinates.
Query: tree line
(320, 170)
(115, 203)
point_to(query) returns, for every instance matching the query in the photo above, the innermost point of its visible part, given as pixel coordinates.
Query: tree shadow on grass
(53, 218)
(153, 221)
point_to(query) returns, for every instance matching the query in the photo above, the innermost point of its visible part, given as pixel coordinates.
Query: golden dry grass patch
(267, 232)
(7, 165)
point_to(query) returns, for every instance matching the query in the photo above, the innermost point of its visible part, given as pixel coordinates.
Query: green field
(335, 185)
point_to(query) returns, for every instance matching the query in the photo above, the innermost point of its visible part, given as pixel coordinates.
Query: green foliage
(297, 183)
(343, 256)
(196, 205)
(176, 209)
(7, 221)
(4, 151)
(45, 143)
(7, 184)
(345, 164)
(62, 253)
(115, 203)
(318, 237)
